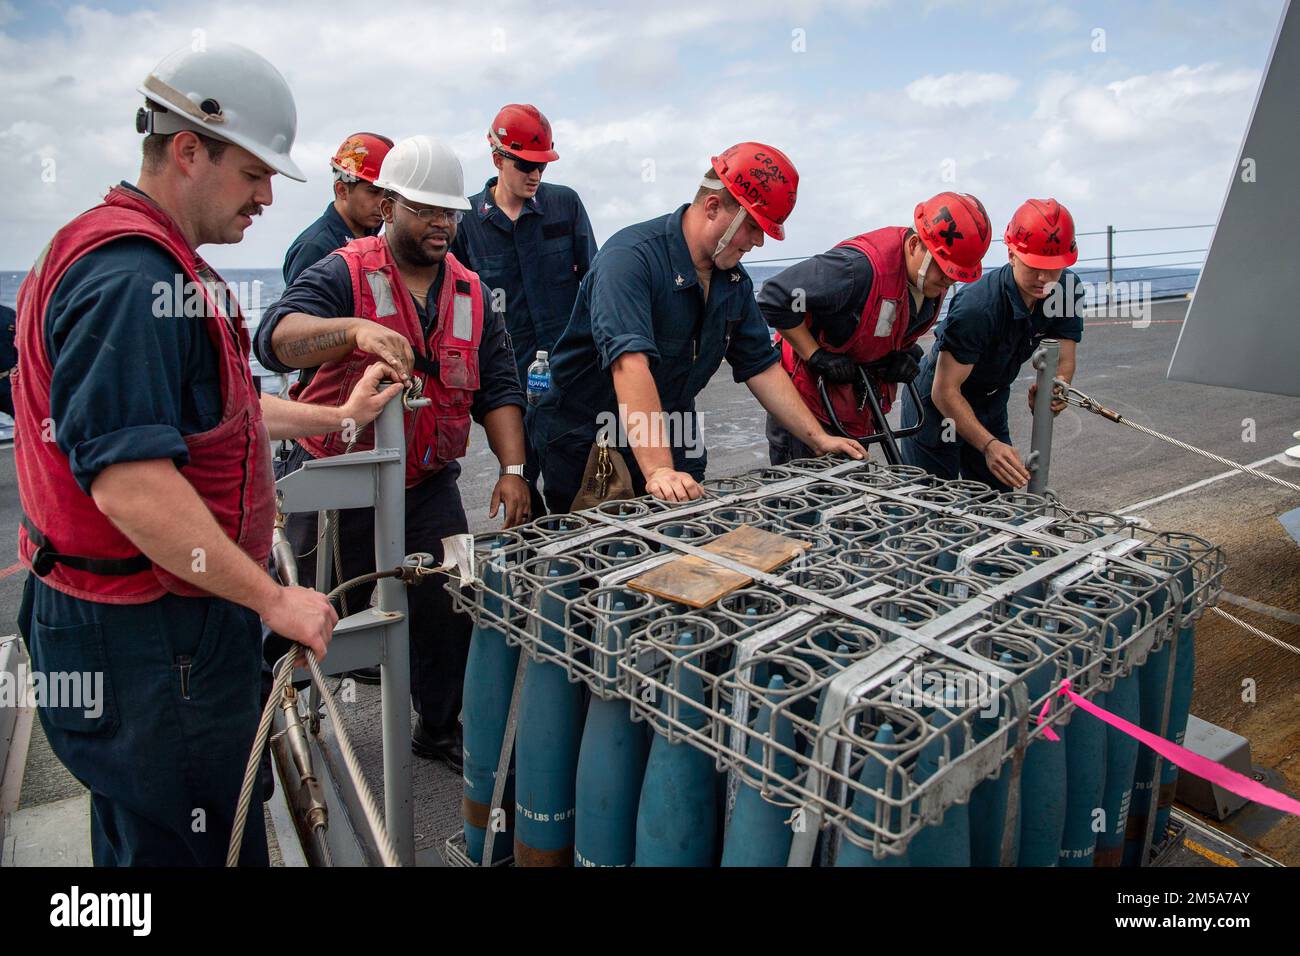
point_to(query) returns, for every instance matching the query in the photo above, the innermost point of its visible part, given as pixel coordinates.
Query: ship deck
(1095, 465)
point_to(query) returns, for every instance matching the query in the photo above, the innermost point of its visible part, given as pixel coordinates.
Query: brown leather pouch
(605, 478)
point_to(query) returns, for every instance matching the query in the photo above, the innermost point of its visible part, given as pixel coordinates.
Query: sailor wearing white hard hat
(403, 298)
(144, 472)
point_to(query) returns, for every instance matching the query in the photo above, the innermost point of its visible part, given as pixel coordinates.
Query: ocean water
(259, 288)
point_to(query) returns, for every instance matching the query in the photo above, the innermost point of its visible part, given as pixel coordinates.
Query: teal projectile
(1085, 782)
(1180, 700)
(611, 764)
(489, 682)
(546, 754)
(676, 823)
(1042, 783)
(872, 777)
(988, 801)
(946, 843)
(1085, 775)
(759, 834)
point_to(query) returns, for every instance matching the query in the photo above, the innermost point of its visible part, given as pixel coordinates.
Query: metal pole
(1110, 264)
(395, 666)
(324, 570)
(1150, 836)
(1046, 360)
(503, 761)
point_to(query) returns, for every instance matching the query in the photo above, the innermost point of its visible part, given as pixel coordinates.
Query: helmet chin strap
(712, 182)
(918, 287)
(727, 236)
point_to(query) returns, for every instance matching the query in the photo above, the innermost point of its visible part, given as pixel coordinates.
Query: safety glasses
(432, 214)
(522, 165)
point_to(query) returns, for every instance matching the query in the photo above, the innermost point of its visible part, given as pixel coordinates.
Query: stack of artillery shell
(882, 692)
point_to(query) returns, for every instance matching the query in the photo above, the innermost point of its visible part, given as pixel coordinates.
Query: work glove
(835, 367)
(901, 366)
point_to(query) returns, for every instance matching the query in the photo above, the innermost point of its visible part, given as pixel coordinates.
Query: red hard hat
(521, 130)
(361, 155)
(957, 231)
(763, 181)
(1041, 233)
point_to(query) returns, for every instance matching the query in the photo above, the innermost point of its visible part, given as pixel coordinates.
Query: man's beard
(411, 250)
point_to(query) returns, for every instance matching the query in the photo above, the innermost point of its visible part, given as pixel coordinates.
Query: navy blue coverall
(534, 265)
(163, 748)
(642, 295)
(439, 636)
(990, 328)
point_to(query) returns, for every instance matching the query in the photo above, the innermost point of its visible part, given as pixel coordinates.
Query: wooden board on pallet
(698, 583)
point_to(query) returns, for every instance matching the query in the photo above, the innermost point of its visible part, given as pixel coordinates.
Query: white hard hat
(424, 169)
(228, 92)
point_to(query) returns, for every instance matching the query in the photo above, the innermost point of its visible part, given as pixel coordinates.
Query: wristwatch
(516, 470)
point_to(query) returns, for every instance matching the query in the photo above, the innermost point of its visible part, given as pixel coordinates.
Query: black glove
(836, 367)
(901, 366)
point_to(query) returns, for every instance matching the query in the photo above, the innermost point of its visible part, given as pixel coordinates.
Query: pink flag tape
(1194, 763)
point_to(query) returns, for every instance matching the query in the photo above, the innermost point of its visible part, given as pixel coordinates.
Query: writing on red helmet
(956, 230)
(763, 180)
(1041, 234)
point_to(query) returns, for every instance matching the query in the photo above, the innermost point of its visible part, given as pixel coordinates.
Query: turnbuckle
(1063, 390)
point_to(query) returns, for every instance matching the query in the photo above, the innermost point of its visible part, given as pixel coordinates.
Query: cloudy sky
(1129, 112)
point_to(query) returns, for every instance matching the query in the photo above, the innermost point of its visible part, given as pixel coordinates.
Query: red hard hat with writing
(957, 231)
(763, 180)
(521, 130)
(361, 155)
(1041, 234)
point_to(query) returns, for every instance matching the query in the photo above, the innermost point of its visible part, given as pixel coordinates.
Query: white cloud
(1183, 88)
(1149, 107)
(666, 83)
(1017, 15)
(961, 89)
(1056, 18)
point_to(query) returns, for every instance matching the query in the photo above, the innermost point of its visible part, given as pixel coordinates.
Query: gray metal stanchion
(372, 479)
(1045, 360)
(395, 669)
(324, 584)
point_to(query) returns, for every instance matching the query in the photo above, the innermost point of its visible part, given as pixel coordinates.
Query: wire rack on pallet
(895, 664)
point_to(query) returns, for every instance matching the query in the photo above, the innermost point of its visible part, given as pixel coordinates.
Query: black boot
(444, 746)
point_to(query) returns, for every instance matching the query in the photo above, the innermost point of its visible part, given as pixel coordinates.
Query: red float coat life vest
(438, 433)
(882, 328)
(229, 465)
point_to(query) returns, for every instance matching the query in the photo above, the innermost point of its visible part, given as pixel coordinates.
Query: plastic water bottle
(539, 378)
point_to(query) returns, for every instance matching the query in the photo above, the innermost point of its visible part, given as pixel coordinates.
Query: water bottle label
(539, 382)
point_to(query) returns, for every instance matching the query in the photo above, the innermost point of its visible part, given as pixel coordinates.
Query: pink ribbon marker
(1048, 732)
(1193, 763)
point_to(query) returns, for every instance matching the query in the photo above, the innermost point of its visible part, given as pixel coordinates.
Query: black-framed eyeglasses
(432, 214)
(523, 165)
